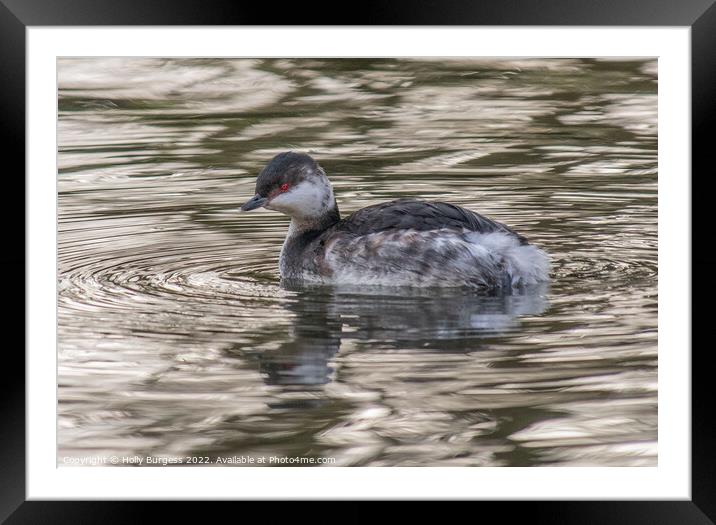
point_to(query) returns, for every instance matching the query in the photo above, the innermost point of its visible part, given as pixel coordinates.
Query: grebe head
(295, 185)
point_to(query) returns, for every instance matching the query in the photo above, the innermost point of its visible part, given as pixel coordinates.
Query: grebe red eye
(284, 187)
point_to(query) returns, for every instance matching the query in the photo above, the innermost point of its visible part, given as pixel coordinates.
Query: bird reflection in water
(394, 319)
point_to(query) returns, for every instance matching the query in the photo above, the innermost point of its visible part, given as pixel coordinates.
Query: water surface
(176, 338)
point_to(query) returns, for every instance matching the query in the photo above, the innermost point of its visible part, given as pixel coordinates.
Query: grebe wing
(410, 214)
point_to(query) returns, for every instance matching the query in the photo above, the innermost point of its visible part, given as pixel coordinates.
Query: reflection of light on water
(635, 114)
(174, 86)
(175, 336)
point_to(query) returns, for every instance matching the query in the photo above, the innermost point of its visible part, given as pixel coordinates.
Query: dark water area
(177, 339)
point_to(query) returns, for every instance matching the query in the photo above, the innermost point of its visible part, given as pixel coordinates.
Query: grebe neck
(300, 225)
(299, 236)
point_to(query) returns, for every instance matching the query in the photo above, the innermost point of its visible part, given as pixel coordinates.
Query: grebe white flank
(404, 242)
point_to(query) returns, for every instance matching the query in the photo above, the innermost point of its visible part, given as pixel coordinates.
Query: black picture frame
(699, 15)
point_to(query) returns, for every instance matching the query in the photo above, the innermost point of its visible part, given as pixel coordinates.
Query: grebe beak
(257, 201)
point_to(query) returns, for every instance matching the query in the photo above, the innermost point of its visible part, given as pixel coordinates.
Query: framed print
(436, 254)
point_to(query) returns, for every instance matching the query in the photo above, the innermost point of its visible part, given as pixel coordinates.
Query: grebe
(405, 242)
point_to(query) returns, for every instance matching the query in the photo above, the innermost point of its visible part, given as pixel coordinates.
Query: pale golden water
(176, 339)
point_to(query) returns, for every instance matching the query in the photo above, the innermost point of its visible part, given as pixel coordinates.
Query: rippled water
(176, 338)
